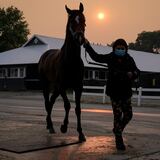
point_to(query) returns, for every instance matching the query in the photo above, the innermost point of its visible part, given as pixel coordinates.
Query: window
(13, 72)
(22, 72)
(35, 41)
(17, 72)
(95, 74)
(153, 82)
(88, 74)
(3, 72)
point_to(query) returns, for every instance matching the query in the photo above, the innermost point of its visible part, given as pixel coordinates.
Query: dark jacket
(119, 85)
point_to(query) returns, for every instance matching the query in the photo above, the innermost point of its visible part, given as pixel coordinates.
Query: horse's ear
(81, 8)
(68, 10)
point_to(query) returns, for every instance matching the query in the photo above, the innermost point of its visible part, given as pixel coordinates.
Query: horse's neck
(71, 49)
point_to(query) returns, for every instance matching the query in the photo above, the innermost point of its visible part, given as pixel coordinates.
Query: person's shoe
(119, 143)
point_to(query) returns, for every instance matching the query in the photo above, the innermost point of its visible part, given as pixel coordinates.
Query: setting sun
(101, 16)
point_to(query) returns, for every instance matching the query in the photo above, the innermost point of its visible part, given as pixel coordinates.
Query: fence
(92, 91)
(140, 95)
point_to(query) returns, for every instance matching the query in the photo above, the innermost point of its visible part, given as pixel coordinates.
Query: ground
(23, 134)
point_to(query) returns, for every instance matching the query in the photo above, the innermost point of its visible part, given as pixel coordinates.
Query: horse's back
(47, 62)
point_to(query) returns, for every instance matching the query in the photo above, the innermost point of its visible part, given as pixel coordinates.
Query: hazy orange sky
(123, 18)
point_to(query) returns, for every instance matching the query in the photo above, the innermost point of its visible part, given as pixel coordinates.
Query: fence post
(139, 95)
(104, 94)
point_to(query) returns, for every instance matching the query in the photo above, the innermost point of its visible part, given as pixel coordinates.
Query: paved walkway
(23, 135)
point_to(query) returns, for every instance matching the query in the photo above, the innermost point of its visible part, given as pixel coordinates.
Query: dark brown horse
(63, 69)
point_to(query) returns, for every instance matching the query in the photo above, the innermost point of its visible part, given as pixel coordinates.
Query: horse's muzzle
(79, 37)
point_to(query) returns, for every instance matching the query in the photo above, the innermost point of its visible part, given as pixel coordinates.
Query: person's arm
(94, 55)
(134, 73)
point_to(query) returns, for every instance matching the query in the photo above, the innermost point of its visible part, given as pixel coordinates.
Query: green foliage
(13, 28)
(147, 41)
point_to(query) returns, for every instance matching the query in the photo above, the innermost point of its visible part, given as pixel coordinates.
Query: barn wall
(150, 80)
(32, 81)
(12, 84)
(12, 77)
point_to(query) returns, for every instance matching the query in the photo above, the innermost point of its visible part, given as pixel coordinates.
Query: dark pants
(122, 111)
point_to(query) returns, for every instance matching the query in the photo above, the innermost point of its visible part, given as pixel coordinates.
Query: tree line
(13, 28)
(147, 42)
(14, 32)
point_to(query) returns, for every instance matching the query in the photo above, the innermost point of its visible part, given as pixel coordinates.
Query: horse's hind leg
(51, 102)
(67, 107)
(46, 102)
(48, 110)
(78, 93)
(48, 107)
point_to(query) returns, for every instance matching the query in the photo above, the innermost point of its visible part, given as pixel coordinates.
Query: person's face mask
(120, 52)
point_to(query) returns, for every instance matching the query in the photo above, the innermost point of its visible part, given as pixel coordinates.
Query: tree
(13, 28)
(147, 41)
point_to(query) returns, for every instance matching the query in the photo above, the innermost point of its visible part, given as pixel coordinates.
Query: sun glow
(101, 16)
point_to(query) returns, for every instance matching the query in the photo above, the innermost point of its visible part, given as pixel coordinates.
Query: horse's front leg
(78, 93)
(67, 107)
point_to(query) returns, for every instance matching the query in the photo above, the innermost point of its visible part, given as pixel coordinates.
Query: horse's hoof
(82, 138)
(63, 128)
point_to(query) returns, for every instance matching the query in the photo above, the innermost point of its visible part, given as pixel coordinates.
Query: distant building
(18, 67)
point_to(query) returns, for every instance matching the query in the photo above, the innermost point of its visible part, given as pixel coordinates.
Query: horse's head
(76, 24)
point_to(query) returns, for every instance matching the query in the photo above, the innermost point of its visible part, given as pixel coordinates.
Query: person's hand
(86, 43)
(130, 75)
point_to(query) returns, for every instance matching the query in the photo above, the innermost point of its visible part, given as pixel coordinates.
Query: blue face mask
(120, 52)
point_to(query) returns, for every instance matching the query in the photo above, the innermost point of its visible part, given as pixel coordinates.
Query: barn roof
(31, 51)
